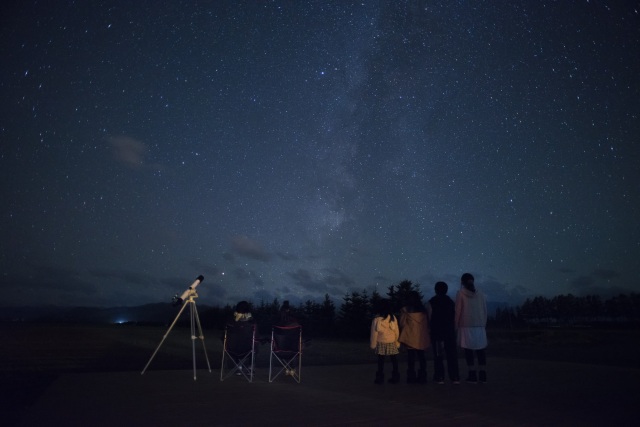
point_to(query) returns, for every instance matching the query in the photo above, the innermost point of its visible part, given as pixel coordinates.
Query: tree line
(352, 319)
(592, 310)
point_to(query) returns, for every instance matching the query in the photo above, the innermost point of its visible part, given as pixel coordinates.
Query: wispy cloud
(605, 274)
(334, 282)
(128, 151)
(243, 246)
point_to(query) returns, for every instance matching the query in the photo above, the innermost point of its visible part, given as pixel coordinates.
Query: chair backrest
(287, 339)
(239, 337)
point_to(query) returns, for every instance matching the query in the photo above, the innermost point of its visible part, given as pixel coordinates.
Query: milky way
(295, 149)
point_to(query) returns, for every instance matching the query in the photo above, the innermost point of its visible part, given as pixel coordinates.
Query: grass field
(34, 355)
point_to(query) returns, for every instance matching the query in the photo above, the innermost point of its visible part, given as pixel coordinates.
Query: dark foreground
(61, 375)
(520, 393)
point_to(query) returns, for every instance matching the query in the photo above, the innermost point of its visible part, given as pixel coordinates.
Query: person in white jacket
(471, 322)
(384, 340)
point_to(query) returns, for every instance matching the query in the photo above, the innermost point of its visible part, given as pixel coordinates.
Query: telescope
(179, 300)
(196, 328)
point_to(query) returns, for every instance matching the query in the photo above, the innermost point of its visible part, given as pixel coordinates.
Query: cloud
(212, 289)
(287, 257)
(605, 274)
(337, 278)
(241, 274)
(498, 291)
(128, 151)
(303, 278)
(263, 295)
(207, 269)
(247, 277)
(243, 246)
(599, 282)
(126, 276)
(47, 285)
(333, 283)
(582, 282)
(591, 281)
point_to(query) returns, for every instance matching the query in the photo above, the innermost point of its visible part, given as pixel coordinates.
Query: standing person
(384, 340)
(442, 314)
(471, 322)
(414, 334)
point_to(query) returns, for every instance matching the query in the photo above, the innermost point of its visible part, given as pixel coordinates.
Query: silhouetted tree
(373, 302)
(569, 309)
(354, 318)
(594, 308)
(398, 294)
(327, 317)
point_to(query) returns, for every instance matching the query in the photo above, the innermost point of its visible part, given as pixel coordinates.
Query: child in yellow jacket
(384, 340)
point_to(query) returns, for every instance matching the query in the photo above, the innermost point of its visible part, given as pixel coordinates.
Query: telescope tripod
(195, 322)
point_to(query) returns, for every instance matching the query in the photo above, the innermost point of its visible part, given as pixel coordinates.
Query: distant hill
(159, 313)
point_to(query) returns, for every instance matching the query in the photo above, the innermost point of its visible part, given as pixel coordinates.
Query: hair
(414, 301)
(467, 281)
(243, 307)
(286, 318)
(384, 309)
(441, 288)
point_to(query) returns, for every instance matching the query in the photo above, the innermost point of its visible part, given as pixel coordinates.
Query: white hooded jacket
(384, 331)
(471, 309)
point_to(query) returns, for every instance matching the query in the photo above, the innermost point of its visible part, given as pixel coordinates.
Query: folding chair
(286, 349)
(238, 350)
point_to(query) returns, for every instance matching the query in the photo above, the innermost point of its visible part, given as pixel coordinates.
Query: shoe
(483, 377)
(379, 378)
(456, 381)
(472, 378)
(411, 376)
(395, 378)
(440, 381)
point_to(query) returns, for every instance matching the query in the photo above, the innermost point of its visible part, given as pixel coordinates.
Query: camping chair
(286, 349)
(238, 350)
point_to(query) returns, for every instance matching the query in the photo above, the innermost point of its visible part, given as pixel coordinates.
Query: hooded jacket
(414, 327)
(471, 309)
(383, 331)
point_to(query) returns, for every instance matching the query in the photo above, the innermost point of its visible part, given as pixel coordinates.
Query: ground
(91, 375)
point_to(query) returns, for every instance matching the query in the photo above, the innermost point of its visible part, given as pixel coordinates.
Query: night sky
(292, 149)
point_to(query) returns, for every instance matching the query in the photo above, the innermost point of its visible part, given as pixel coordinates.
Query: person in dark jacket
(441, 310)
